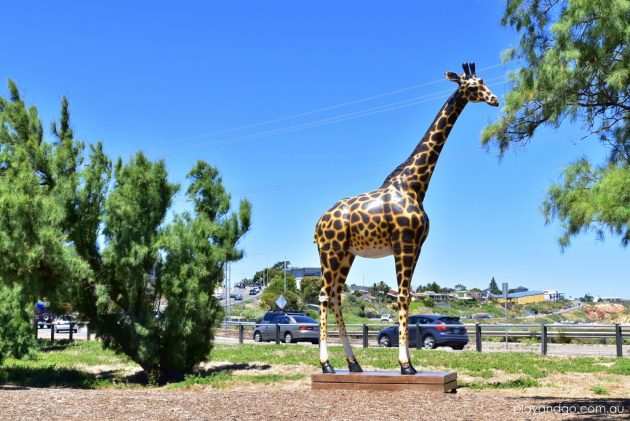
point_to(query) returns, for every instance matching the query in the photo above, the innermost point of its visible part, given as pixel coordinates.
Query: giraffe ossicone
(389, 220)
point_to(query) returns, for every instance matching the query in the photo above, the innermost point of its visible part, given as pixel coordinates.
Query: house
(526, 297)
(486, 294)
(435, 296)
(368, 297)
(392, 294)
(360, 288)
(553, 295)
(469, 295)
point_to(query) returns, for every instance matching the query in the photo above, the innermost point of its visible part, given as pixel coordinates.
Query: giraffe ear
(453, 77)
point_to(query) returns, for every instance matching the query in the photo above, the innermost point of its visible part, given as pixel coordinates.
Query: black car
(438, 333)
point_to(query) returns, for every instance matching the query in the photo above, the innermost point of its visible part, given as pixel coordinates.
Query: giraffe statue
(389, 220)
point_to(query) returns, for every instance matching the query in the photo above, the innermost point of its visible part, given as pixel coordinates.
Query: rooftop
(518, 294)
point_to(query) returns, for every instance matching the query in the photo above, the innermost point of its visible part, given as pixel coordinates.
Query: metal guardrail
(70, 331)
(543, 332)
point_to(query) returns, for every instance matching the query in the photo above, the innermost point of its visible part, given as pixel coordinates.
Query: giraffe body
(388, 221)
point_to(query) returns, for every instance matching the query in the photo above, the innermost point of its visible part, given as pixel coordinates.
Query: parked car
(253, 291)
(238, 297)
(43, 316)
(293, 328)
(65, 323)
(437, 334)
(270, 315)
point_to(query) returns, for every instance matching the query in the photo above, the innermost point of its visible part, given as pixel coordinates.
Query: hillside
(358, 311)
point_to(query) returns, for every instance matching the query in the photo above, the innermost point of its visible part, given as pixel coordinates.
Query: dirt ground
(559, 398)
(281, 403)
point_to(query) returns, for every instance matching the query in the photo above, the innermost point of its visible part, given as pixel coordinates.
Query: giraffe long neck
(415, 173)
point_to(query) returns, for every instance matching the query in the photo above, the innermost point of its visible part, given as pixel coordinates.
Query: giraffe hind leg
(346, 263)
(406, 254)
(324, 301)
(330, 267)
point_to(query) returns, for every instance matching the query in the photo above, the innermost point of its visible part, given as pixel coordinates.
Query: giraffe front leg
(406, 253)
(403, 336)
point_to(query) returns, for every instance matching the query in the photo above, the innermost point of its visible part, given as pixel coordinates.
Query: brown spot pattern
(390, 218)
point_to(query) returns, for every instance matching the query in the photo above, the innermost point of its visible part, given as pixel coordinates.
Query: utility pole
(225, 288)
(285, 275)
(267, 272)
(505, 297)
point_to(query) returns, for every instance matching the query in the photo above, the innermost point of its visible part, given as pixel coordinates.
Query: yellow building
(526, 297)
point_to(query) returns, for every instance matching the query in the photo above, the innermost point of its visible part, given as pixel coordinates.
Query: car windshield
(450, 320)
(304, 319)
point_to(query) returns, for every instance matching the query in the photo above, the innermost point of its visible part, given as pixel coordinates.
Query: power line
(305, 113)
(328, 120)
(316, 181)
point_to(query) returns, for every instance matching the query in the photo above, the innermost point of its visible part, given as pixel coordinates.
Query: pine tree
(81, 229)
(494, 288)
(16, 331)
(36, 259)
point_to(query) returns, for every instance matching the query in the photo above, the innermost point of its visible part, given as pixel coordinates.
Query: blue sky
(300, 104)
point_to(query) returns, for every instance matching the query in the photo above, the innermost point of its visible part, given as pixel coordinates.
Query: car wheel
(288, 338)
(429, 342)
(257, 337)
(315, 341)
(458, 347)
(384, 341)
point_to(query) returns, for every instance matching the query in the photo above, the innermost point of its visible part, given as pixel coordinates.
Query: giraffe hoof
(354, 367)
(407, 369)
(327, 368)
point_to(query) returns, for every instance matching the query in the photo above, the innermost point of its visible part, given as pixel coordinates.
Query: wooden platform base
(442, 381)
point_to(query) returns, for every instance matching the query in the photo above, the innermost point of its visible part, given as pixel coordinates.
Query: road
(81, 334)
(244, 292)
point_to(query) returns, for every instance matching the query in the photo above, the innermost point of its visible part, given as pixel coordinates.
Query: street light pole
(266, 280)
(285, 275)
(225, 288)
(267, 272)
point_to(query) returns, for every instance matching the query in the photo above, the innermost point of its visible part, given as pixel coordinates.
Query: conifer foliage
(83, 230)
(576, 70)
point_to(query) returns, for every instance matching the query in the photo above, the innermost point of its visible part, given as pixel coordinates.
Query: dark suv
(44, 318)
(438, 333)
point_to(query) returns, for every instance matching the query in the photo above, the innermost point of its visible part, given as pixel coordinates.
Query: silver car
(293, 328)
(65, 323)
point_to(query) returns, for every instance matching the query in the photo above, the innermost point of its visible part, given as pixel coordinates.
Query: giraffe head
(471, 87)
